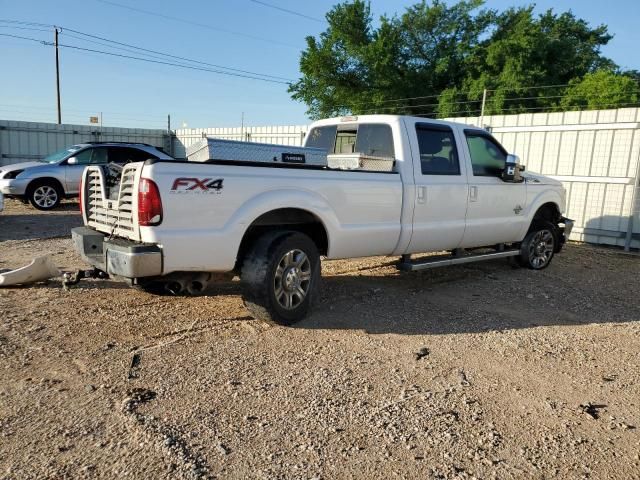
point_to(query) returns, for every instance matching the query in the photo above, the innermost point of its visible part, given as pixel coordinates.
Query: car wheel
(538, 247)
(280, 277)
(44, 195)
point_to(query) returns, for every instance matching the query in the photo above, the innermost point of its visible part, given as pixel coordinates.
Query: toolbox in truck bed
(231, 150)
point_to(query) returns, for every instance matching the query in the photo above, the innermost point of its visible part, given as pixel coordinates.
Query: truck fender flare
(548, 196)
(272, 200)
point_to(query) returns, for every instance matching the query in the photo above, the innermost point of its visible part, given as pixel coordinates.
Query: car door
(494, 214)
(73, 173)
(440, 189)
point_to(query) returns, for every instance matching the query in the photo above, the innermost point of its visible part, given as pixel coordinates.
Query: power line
(437, 95)
(128, 47)
(197, 24)
(43, 42)
(78, 112)
(25, 28)
(156, 52)
(20, 22)
(149, 60)
(160, 62)
(298, 14)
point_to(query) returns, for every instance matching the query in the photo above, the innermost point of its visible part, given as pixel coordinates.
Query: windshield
(60, 155)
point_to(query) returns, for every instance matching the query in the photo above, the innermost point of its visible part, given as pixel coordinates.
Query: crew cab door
(495, 211)
(440, 189)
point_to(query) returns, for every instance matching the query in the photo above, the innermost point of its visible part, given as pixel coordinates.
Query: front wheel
(44, 196)
(539, 246)
(280, 277)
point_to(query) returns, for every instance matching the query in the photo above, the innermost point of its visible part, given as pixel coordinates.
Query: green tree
(601, 89)
(354, 68)
(525, 51)
(439, 58)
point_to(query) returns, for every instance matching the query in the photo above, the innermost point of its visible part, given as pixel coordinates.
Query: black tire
(44, 195)
(539, 246)
(275, 272)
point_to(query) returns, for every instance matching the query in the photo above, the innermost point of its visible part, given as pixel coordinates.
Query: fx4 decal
(197, 185)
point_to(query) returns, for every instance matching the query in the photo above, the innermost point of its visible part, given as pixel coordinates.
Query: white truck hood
(537, 178)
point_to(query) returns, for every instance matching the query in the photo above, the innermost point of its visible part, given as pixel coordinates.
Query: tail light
(149, 204)
(80, 195)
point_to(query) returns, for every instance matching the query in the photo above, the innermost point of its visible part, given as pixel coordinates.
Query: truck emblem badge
(197, 185)
(517, 210)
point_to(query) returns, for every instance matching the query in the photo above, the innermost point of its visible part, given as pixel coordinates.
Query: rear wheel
(280, 277)
(539, 246)
(44, 195)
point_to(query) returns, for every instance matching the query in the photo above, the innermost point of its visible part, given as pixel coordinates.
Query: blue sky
(237, 33)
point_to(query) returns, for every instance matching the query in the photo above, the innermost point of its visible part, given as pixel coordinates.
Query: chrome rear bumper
(117, 257)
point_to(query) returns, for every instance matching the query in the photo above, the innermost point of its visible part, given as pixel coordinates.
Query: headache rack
(116, 217)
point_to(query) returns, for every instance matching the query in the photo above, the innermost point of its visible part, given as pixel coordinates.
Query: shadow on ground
(492, 296)
(488, 296)
(38, 224)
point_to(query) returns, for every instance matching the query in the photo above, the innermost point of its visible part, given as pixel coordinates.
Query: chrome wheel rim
(541, 248)
(292, 279)
(45, 196)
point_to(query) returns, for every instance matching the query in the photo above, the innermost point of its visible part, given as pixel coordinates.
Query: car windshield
(60, 155)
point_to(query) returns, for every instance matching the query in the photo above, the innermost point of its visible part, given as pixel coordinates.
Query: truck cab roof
(385, 118)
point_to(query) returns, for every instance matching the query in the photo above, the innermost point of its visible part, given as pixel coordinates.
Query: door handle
(421, 196)
(473, 193)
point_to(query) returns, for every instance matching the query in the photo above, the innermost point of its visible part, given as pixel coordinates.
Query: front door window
(487, 156)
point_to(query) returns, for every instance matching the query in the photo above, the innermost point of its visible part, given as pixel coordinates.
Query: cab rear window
(367, 138)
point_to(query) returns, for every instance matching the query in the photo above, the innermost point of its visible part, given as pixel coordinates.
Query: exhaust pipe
(187, 284)
(174, 287)
(198, 284)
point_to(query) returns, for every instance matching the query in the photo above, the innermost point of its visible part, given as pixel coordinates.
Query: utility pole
(484, 101)
(169, 134)
(242, 127)
(56, 31)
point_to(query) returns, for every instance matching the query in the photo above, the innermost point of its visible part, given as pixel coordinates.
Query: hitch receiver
(69, 279)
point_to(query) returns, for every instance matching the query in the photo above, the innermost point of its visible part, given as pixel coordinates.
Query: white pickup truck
(452, 188)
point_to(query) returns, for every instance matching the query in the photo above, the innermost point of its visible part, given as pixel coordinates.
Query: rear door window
(438, 152)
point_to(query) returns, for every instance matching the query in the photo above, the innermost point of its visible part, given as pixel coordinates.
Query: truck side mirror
(72, 161)
(512, 170)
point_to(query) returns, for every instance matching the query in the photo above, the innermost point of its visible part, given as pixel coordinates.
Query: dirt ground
(475, 371)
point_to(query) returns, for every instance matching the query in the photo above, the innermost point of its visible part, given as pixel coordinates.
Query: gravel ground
(474, 371)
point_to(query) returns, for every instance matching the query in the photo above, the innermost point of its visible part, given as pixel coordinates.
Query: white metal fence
(596, 154)
(27, 141)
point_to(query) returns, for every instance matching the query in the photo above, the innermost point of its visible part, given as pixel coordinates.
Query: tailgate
(106, 212)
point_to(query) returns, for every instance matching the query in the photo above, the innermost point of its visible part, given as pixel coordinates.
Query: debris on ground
(423, 352)
(591, 409)
(40, 269)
